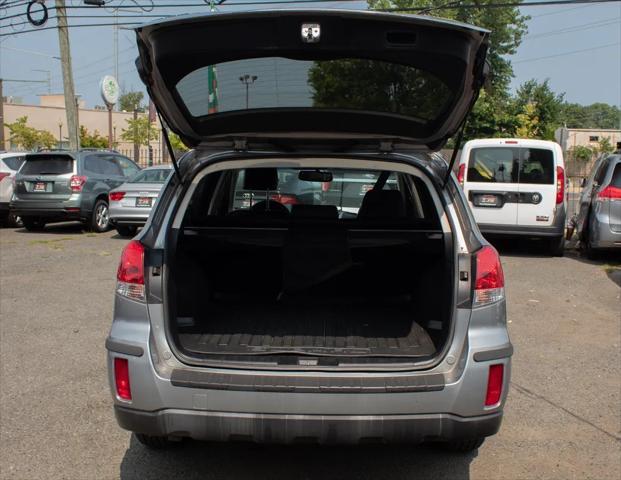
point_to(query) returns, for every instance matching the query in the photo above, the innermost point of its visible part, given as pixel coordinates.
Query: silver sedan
(131, 203)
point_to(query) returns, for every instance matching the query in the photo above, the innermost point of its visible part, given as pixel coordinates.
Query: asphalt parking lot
(562, 419)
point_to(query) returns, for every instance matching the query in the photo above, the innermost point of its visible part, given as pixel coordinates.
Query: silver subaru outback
(311, 271)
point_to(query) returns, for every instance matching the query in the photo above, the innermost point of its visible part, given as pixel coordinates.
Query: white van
(516, 187)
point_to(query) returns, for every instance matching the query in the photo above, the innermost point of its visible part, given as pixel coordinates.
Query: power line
(567, 53)
(576, 28)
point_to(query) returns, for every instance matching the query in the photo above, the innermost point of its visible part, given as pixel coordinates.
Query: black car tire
(153, 442)
(100, 218)
(126, 230)
(33, 224)
(464, 446)
(556, 246)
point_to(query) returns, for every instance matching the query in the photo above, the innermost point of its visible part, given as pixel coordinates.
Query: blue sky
(591, 74)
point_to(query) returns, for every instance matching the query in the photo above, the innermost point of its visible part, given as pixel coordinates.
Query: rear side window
(47, 165)
(129, 168)
(616, 176)
(511, 165)
(13, 162)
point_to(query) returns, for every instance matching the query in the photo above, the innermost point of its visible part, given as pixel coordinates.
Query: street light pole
(248, 80)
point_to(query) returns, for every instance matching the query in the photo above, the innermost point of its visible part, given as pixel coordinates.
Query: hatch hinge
(171, 151)
(386, 146)
(240, 144)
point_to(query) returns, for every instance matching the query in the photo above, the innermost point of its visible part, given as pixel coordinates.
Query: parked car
(63, 185)
(131, 202)
(273, 324)
(516, 188)
(9, 165)
(599, 220)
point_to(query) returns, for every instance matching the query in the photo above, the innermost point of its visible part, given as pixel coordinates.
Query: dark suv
(57, 186)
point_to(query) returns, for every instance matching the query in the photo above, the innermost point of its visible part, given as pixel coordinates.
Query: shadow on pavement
(520, 247)
(56, 228)
(194, 460)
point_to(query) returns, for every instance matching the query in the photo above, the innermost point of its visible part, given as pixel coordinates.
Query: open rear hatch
(322, 74)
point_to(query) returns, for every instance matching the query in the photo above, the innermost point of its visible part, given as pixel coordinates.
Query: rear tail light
(609, 193)
(116, 196)
(461, 173)
(121, 378)
(494, 384)
(3, 175)
(489, 284)
(76, 183)
(560, 185)
(130, 275)
(286, 199)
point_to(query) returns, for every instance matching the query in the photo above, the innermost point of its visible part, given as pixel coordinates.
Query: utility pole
(69, 90)
(136, 144)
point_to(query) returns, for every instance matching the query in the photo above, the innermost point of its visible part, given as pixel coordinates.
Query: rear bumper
(65, 210)
(130, 221)
(523, 231)
(273, 428)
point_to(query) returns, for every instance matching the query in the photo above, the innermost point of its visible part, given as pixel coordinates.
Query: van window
(537, 166)
(511, 165)
(496, 165)
(47, 165)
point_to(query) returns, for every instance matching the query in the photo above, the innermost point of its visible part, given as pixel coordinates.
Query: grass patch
(608, 268)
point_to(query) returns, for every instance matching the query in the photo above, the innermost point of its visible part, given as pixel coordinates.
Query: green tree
(176, 143)
(582, 153)
(94, 140)
(604, 145)
(547, 107)
(596, 115)
(130, 101)
(27, 137)
(491, 117)
(528, 122)
(140, 131)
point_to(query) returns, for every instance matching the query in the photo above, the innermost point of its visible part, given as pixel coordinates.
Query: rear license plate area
(487, 200)
(39, 187)
(144, 201)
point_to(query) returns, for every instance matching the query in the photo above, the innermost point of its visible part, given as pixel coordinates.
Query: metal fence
(147, 157)
(576, 171)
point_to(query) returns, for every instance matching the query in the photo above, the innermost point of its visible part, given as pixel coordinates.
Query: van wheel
(556, 246)
(464, 446)
(100, 218)
(153, 442)
(126, 230)
(33, 224)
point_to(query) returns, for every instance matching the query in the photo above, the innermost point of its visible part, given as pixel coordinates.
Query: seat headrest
(261, 179)
(382, 204)
(329, 212)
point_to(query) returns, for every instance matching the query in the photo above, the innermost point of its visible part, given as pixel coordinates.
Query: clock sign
(109, 90)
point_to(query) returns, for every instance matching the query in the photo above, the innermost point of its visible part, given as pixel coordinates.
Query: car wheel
(464, 446)
(33, 224)
(100, 219)
(154, 442)
(126, 230)
(556, 246)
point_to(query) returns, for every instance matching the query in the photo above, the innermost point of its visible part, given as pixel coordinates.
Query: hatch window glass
(616, 176)
(47, 165)
(349, 83)
(158, 175)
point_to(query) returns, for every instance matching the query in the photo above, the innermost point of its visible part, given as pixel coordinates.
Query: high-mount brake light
(130, 275)
(489, 284)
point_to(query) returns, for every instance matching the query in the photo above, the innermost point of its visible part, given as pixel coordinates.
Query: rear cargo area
(295, 286)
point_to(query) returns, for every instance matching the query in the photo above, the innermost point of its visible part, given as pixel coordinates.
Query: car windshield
(47, 165)
(277, 82)
(156, 175)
